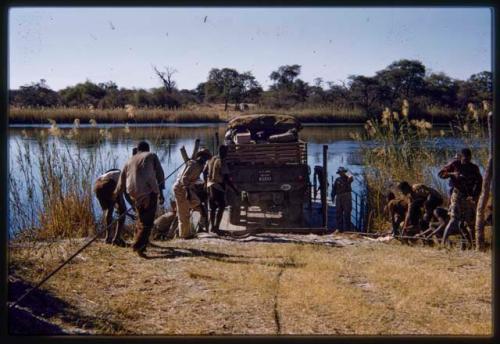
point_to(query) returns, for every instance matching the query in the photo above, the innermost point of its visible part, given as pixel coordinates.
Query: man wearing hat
(341, 192)
(185, 193)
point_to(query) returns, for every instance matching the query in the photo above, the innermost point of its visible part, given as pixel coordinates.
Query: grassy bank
(341, 285)
(50, 191)
(402, 155)
(200, 114)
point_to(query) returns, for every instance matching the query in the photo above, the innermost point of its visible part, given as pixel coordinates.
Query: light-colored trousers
(184, 207)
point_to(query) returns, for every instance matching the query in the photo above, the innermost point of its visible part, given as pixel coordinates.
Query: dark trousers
(146, 215)
(104, 191)
(429, 205)
(217, 201)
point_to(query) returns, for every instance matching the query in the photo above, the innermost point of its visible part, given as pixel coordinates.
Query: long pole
(39, 284)
(485, 192)
(216, 141)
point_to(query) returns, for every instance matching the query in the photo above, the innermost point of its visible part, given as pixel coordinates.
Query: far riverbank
(205, 115)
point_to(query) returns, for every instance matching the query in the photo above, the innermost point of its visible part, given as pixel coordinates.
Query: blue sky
(69, 45)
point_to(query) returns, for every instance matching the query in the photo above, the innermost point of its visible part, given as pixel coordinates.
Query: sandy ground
(267, 284)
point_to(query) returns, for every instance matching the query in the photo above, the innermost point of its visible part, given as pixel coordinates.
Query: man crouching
(103, 188)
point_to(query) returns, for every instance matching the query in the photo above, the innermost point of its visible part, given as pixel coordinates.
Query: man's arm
(447, 171)
(205, 171)
(160, 177)
(334, 190)
(160, 174)
(121, 186)
(407, 218)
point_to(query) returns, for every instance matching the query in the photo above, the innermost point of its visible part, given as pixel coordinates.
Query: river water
(115, 145)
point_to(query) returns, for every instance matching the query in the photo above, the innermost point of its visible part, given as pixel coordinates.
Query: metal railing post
(362, 213)
(324, 191)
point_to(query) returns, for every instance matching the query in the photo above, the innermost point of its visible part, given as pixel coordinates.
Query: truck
(268, 165)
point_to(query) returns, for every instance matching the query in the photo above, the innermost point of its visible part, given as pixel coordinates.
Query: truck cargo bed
(268, 153)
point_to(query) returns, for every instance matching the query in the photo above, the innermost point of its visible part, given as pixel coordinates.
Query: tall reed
(396, 148)
(50, 190)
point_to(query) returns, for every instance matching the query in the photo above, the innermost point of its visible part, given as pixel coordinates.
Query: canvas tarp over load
(254, 123)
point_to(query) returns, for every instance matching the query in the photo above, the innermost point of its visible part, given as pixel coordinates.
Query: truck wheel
(235, 214)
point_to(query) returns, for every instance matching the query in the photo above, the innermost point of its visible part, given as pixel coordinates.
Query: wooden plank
(265, 149)
(264, 153)
(281, 157)
(195, 148)
(271, 154)
(184, 154)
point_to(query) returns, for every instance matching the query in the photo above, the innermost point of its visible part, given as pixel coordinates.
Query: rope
(79, 250)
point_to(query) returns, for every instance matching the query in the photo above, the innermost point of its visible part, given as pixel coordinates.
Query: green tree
(366, 92)
(285, 76)
(338, 94)
(142, 98)
(287, 90)
(477, 88)
(316, 95)
(403, 79)
(228, 84)
(483, 84)
(36, 94)
(440, 90)
(82, 94)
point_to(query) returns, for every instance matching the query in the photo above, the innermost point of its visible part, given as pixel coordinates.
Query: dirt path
(264, 284)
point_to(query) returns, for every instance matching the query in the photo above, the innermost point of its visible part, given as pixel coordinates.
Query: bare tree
(167, 78)
(485, 192)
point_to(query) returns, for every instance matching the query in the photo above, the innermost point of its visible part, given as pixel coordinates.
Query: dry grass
(204, 113)
(119, 115)
(199, 114)
(214, 286)
(51, 191)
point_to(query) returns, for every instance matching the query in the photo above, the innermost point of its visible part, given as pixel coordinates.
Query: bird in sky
(111, 25)
(205, 20)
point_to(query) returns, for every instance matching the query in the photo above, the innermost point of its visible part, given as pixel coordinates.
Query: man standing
(419, 195)
(142, 178)
(467, 184)
(185, 193)
(216, 174)
(103, 188)
(341, 191)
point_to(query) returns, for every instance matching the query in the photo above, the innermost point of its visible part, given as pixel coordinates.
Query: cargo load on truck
(262, 129)
(259, 122)
(268, 161)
